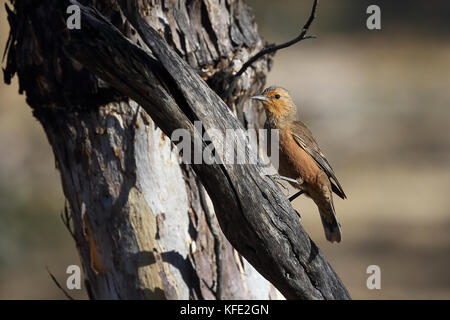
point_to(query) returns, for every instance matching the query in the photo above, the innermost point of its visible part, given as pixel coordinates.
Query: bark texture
(139, 219)
(132, 242)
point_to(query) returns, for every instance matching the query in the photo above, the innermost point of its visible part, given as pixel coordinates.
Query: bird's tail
(331, 226)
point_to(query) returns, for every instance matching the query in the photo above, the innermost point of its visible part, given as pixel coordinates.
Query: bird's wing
(304, 138)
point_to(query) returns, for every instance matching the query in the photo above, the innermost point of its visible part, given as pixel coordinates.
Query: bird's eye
(277, 96)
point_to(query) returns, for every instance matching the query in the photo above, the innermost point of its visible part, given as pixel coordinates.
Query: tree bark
(139, 218)
(142, 223)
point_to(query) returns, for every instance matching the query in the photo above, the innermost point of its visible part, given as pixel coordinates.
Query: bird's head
(277, 102)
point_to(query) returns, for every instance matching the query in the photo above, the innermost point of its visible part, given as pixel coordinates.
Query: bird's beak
(260, 97)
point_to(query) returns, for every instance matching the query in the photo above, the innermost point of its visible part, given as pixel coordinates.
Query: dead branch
(272, 49)
(58, 285)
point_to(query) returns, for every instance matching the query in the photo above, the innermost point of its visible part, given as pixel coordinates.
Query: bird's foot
(295, 196)
(297, 182)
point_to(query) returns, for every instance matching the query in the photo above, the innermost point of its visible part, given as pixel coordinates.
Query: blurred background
(378, 102)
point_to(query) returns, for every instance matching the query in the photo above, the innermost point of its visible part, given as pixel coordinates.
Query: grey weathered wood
(253, 213)
(139, 223)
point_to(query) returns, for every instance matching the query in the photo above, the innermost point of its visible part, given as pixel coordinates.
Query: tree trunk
(143, 224)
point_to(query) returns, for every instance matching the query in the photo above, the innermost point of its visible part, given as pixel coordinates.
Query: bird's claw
(297, 182)
(277, 176)
(273, 177)
(295, 196)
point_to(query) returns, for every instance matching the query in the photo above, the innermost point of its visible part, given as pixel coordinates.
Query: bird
(301, 162)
